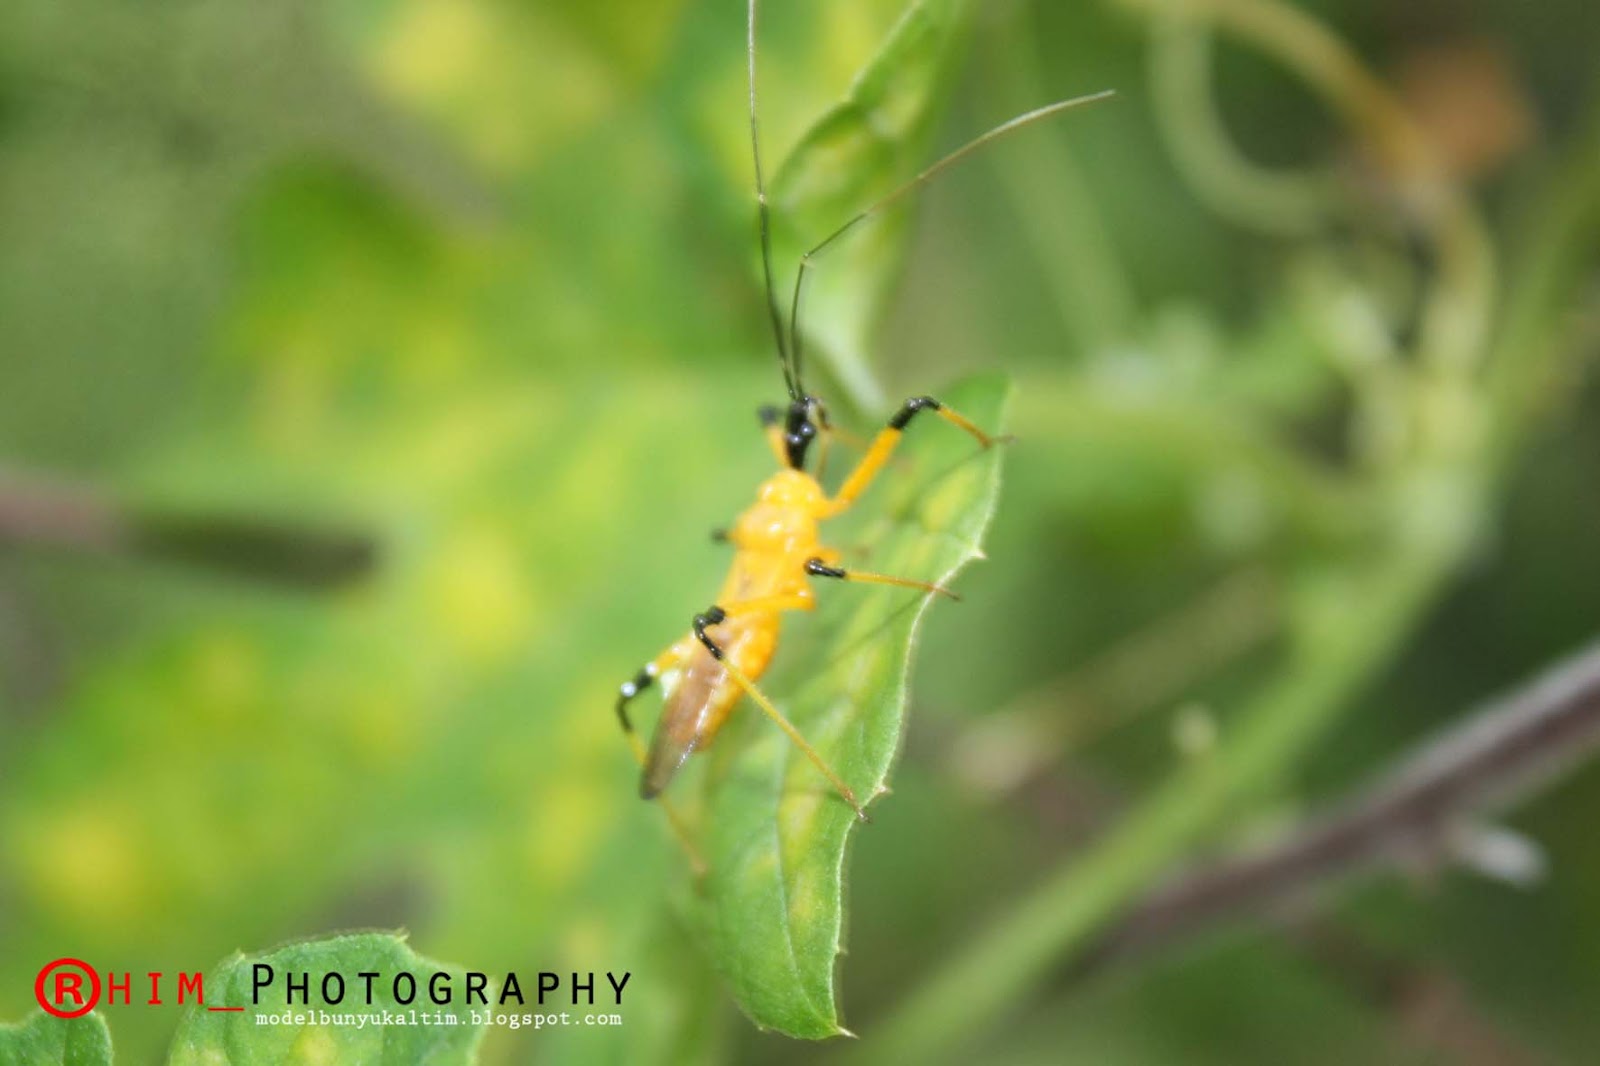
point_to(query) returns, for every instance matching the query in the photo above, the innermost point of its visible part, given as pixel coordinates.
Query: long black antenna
(795, 343)
(790, 378)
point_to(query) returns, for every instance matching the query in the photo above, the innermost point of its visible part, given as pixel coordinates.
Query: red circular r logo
(63, 980)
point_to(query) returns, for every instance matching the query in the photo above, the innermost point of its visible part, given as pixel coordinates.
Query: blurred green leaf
(775, 830)
(856, 153)
(206, 1037)
(46, 1041)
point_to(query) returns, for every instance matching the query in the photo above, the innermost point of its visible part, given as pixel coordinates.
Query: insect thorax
(784, 516)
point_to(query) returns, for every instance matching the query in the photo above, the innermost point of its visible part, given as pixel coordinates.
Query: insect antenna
(796, 349)
(791, 376)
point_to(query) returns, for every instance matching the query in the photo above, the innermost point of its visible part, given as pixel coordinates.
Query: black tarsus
(641, 681)
(817, 568)
(714, 615)
(909, 409)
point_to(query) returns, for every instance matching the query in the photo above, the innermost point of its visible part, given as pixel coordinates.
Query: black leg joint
(712, 617)
(719, 535)
(816, 568)
(909, 409)
(641, 681)
(769, 414)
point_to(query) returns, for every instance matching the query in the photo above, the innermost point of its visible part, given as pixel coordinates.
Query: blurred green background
(456, 300)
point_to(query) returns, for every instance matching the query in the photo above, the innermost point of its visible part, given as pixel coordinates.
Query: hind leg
(630, 689)
(715, 616)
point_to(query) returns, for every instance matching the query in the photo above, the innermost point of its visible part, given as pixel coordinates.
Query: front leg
(888, 438)
(820, 567)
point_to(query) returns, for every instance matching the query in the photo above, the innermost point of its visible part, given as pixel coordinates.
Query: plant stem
(990, 977)
(1412, 816)
(48, 515)
(1533, 357)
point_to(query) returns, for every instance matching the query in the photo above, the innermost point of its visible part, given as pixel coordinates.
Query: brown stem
(41, 514)
(1510, 749)
(33, 512)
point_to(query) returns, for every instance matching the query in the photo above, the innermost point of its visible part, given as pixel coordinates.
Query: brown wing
(691, 701)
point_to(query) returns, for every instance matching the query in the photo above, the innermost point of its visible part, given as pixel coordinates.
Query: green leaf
(859, 151)
(46, 1041)
(774, 830)
(207, 1038)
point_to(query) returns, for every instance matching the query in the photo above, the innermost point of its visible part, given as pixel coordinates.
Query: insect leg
(772, 428)
(820, 568)
(827, 433)
(716, 615)
(641, 681)
(883, 446)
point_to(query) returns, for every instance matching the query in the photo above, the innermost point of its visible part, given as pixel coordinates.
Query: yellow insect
(778, 550)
